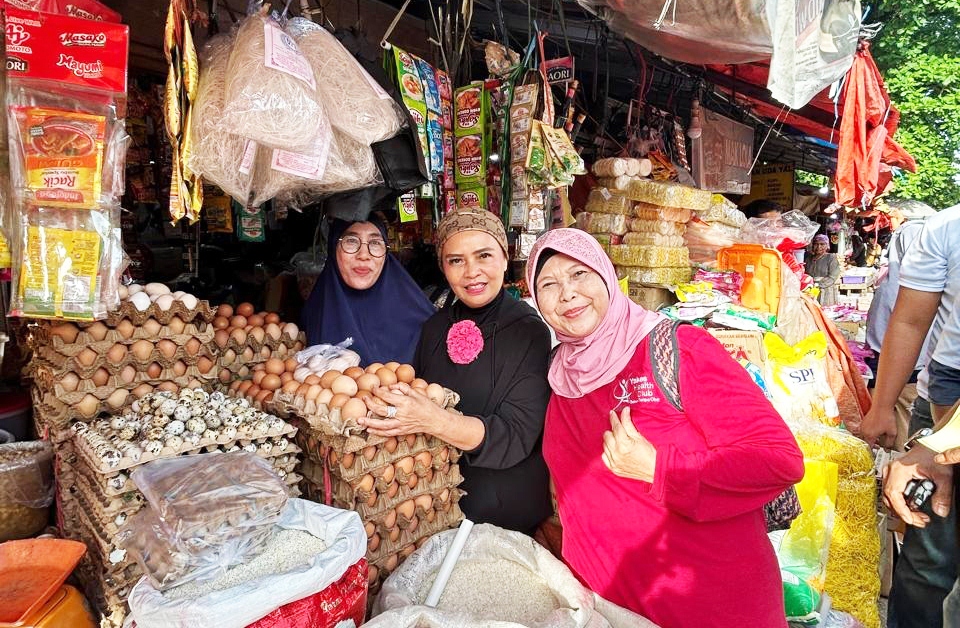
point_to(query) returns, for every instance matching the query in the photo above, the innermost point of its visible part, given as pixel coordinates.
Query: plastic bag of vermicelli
(270, 91)
(356, 105)
(219, 156)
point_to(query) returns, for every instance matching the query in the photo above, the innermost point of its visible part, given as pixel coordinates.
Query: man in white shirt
(929, 290)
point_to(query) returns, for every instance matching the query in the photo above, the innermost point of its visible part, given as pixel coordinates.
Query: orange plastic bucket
(31, 571)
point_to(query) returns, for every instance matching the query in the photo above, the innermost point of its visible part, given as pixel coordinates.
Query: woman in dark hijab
(493, 350)
(364, 293)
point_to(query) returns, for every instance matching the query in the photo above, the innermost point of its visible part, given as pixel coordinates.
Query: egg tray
(442, 521)
(103, 507)
(317, 446)
(90, 570)
(86, 341)
(233, 394)
(343, 434)
(346, 496)
(127, 310)
(63, 364)
(285, 340)
(85, 450)
(49, 381)
(352, 490)
(108, 522)
(403, 523)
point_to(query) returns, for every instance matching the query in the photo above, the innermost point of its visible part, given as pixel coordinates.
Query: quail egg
(174, 442)
(153, 447)
(174, 427)
(228, 432)
(266, 447)
(118, 422)
(182, 413)
(210, 435)
(191, 438)
(195, 425)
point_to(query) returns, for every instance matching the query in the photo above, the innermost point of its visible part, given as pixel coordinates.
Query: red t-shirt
(689, 550)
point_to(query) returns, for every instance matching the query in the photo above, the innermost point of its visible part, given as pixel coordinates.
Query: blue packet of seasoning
(435, 141)
(431, 91)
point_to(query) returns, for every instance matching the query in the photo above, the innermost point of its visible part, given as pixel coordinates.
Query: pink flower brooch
(464, 342)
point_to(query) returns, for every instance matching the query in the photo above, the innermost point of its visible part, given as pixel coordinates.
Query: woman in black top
(493, 350)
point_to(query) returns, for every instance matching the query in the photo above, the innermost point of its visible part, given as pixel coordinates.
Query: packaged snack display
(650, 256)
(664, 276)
(646, 211)
(653, 239)
(668, 194)
(604, 201)
(641, 225)
(602, 223)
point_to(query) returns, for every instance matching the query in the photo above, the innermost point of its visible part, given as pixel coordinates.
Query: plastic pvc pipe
(449, 562)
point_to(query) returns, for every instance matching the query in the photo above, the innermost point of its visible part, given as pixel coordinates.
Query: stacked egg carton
(94, 465)
(243, 341)
(81, 370)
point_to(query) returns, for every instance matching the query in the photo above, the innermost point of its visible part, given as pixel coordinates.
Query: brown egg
(125, 328)
(151, 328)
(154, 370)
(258, 376)
(97, 331)
(406, 509)
(369, 452)
(257, 334)
(256, 320)
(311, 379)
(388, 474)
(87, 356)
(410, 549)
(354, 409)
(221, 337)
(117, 398)
(224, 376)
(238, 321)
(244, 386)
(252, 392)
(366, 483)
(418, 383)
(327, 379)
(290, 364)
(370, 528)
(245, 309)
(344, 384)
(270, 382)
(405, 373)
(412, 481)
(67, 332)
(221, 322)
(290, 330)
(142, 349)
(168, 386)
(225, 310)
(204, 364)
(373, 499)
(228, 357)
(391, 563)
(167, 348)
(243, 372)
(285, 377)
(405, 464)
(373, 368)
(100, 377)
(387, 377)
(436, 394)
(69, 382)
(239, 337)
(373, 574)
(247, 354)
(128, 374)
(347, 461)
(291, 387)
(313, 392)
(394, 534)
(391, 444)
(373, 543)
(390, 519)
(179, 368)
(176, 325)
(271, 317)
(273, 331)
(192, 346)
(264, 396)
(393, 489)
(303, 389)
(325, 396)
(265, 351)
(275, 366)
(411, 440)
(116, 353)
(424, 458)
(368, 381)
(393, 366)
(424, 501)
(142, 389)
(338, 400)
(236, 384)
(87, 406)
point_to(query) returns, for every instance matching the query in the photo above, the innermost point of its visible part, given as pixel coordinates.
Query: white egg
(189, 301)
(178, 294)
(156, 288)
(141, 301)
(165, 301)
(134, 288)
(123, 292)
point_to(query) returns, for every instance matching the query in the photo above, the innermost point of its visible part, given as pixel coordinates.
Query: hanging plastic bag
(798, 380)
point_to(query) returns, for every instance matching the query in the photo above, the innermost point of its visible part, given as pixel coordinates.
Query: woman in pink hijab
(660, 491)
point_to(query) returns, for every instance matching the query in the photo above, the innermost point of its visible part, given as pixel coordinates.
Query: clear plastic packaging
(69, 263)
(219, 156)
(653, 239)
(705, 240)
(26, 488)
(356, 105)
(640, 225)
(656, 212)
(322, 358)
(723, 211)
(271, 92)
(602, 200)
(787, 232)
(207, 513)
(663, 276)
(650, 256)
(602, 223)
(668, 194)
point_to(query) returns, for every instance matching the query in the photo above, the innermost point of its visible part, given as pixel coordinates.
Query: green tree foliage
(918, 53)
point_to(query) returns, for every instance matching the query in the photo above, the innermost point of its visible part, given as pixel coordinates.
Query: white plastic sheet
(242, 605)
(397, 605)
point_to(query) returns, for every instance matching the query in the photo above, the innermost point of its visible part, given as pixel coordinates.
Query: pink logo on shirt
(635, 389)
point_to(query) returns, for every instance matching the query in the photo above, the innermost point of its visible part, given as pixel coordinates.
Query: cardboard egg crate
(60, 364)
(48, 379)
(282, 348)
(200, 330)
(128, 311)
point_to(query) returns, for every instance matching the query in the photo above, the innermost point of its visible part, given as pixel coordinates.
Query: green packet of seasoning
(538, 168)
(563, 150)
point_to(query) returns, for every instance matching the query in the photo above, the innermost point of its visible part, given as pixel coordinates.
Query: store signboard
(559, 70)
(773, 182)
(723, 155)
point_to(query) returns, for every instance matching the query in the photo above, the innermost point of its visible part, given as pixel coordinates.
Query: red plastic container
(31, 571)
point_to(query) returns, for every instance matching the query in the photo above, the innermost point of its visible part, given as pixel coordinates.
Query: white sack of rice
(271, 92)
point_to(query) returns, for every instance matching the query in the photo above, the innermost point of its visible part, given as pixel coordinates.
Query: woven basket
(26, 488)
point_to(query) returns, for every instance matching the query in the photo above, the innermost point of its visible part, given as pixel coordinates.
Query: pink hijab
(581, 365)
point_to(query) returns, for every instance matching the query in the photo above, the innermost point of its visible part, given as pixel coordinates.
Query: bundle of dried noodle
(356, 105)
(274, 108)
(217, 153)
